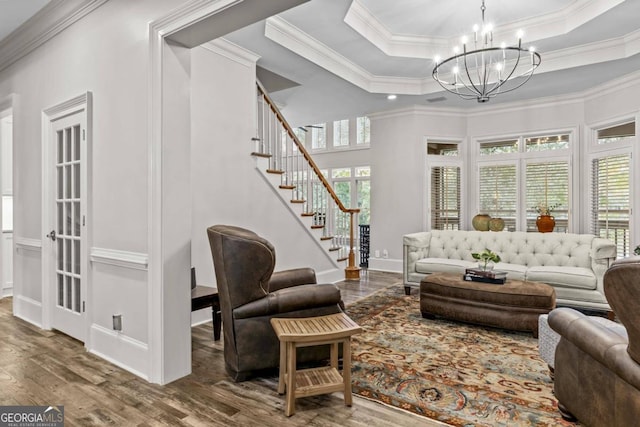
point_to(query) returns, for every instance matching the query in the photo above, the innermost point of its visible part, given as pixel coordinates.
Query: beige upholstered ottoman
(548, 338)
(515, 305)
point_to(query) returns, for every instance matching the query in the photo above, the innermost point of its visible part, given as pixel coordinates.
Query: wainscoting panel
(121, 350)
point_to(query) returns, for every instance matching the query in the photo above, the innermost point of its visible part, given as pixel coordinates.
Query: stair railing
(289, 158)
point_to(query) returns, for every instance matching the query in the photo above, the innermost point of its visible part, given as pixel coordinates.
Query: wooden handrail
(304, 151)
(352, 271)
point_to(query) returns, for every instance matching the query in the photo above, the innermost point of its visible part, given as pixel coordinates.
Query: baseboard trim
(124, 259)
(123, 351)
(28, 310)
(389, 265)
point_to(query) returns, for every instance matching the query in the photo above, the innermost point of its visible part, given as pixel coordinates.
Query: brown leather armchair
(597, 367)
(251, 294)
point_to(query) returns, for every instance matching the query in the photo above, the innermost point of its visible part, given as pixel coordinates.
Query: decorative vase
(481, 222)
(496, 224)
(485, 267)
(545, 223)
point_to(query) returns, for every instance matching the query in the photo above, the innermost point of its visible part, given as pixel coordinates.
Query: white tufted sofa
(574, 264)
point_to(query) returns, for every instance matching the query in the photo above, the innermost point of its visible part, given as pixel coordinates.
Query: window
(620, 133)
(611, 203)
(442, 149)
(341, 133)
(518, 175)
(301, 133)
(318, 137)
(363, 194)
(363, 130)
(548, 184)
(445, 198)
(498, 193)
(498, 147)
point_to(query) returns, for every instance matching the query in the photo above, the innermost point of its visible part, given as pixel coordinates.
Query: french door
(66, 269)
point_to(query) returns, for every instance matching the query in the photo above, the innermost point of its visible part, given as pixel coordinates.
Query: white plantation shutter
(611, 202)
(445, 198)
(498, 193)
(548, 183)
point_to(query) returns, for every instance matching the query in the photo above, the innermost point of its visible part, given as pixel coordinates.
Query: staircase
(292, 172)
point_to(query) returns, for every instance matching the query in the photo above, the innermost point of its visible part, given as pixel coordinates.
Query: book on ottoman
(487, 276)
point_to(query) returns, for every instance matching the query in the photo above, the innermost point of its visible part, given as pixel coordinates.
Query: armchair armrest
(294, 277)
(416, 247)
(607, 345)
(290, 299)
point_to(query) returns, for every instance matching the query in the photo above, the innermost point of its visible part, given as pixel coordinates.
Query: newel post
(352, 272)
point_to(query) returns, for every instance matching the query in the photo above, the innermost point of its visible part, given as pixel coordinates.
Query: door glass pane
(59, 229)
(76, 295)
(76, 219)
(60, 290)
(60, 139)
(76, 256)
(67, 182)
(68, 292)
(67, 145)
(67, 216)
(76, 142)
(60, 183)
(67, 255)
(76, 181)
(60, 254)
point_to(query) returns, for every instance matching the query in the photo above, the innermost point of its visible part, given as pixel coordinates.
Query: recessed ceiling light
(391, 97)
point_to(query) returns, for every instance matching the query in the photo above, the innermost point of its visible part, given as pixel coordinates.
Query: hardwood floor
(39, 367)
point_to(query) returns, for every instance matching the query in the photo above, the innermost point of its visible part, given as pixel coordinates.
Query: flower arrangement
(486, 256)
(545, 209)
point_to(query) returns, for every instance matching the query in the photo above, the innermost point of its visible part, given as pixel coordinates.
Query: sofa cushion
(439, 265)
(514, 271)
(572, 277)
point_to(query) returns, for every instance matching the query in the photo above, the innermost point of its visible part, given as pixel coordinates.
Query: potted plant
(637, 250)
(485, 257)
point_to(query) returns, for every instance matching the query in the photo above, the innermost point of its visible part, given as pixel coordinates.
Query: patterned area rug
(463, 375)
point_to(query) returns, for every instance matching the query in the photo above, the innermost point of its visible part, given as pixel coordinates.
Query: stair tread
(276, 171)
(265, 155)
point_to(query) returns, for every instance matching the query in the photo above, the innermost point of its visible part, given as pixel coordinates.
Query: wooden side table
(303, 332)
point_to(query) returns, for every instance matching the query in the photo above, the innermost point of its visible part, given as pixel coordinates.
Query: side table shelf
(332, 330)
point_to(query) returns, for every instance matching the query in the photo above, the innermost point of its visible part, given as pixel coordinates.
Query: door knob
(52, 235)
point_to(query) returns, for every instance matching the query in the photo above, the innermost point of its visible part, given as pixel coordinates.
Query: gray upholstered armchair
(597, 367)
(251, 294)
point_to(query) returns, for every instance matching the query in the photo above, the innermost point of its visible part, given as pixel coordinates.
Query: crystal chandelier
(486, 71)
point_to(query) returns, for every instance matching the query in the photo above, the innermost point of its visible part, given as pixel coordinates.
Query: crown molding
(290, 37)
(554, 24)
(50, 21)
(232, 51)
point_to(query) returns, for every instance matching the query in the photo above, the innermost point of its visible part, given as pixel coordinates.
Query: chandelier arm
(526, 76)
(473, 87)
(502, 82)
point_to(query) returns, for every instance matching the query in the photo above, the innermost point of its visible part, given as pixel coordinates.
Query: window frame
(599, 151)
(437, 160)
(521, 158)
